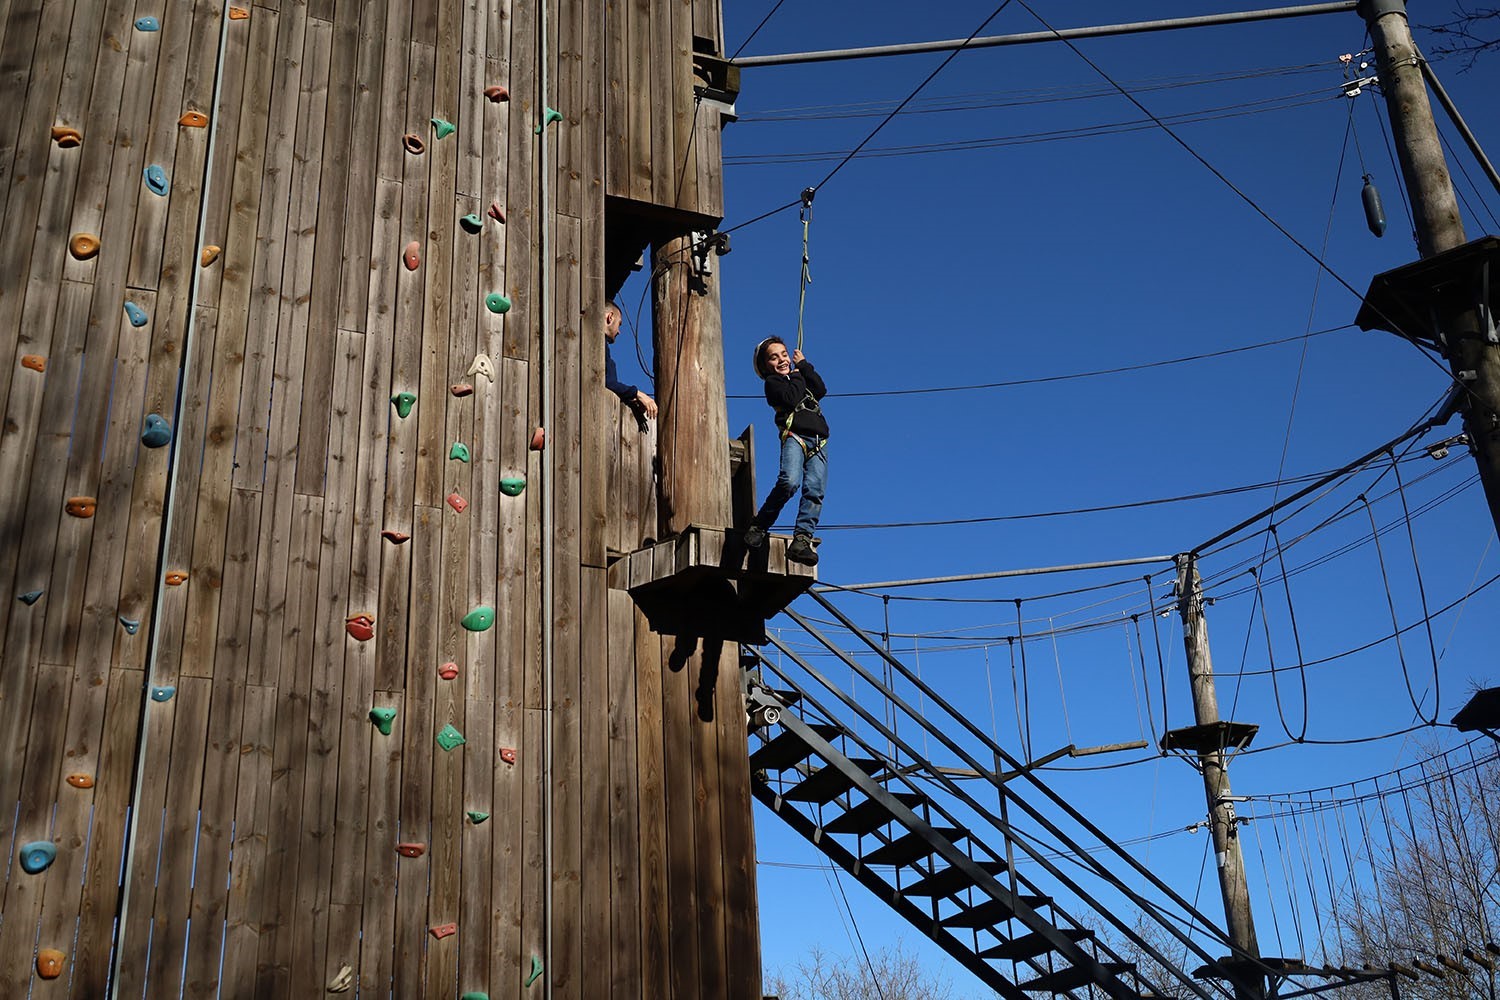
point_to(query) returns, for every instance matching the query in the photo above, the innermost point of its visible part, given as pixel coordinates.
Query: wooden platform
(705, 582)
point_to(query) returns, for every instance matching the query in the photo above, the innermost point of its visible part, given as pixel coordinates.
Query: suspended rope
(1161, 665)
(1437, 690)
(1062, 694)
(1025, 679)
(1296, 635)
(1290, 885)
(1390, 603)
(1265, 874)
(1265, 622)
(806, 215)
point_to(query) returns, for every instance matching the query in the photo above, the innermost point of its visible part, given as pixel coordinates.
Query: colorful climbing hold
(37, 856)
(508, 754)
(49, 963)
(497, 213)
(30, 597)
(176, 578)
(403, 402)
(497, 303)
(81, 506)
(156, 179)
(135, 314)
(458, 503)
(476, 817)
(474, 995)
(131, 625)
(480, 619)
(163, 693)
(157, 431)
(512, 486)
(35, 362)
(383, 718)
(413, 143)
(497, 93)
(193, 119)
(539, 439)
(209, 255)
(83, 246)
(411, 849)
(412, 255)
(393, 536)
(536, 970)
(342, 981)
(81, 780)
(442, 128)
(482, 366)
(147, 23)
(448, 671)
(360, 626)
(441, 931)
(548, 117)
(461, 389)
(66, 137)
(459, 451)
(471, 223)
(448, 737)
(239, 13)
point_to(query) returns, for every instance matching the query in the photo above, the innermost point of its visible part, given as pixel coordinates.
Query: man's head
(771, 357)
(612, 316)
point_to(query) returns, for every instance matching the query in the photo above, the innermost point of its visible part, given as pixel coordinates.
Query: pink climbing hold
(412, 255)
(448, 671)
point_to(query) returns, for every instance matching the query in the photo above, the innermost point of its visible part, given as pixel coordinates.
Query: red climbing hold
(441, 931)
(538, 439)
(448, 671)
(412, 255)
(360, 626)
(461, 389)
(81, 506)
(508, 754)
(411, 850)
(49, 963)
(497, 213)
(458, 503)
(396, 537)
(497, 93)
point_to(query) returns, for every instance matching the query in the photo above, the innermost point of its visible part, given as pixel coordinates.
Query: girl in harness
(793, 388)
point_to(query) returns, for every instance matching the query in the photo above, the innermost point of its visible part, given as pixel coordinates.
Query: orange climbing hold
(239, 13)
(83, 245)
(35, 362)
(412, 255)
(413, 143)
(497, 93)
(81, 506)
(193, 119)
(65, 137)
(49, 963)
(81, 780)
(441, 931)
(508, 754)
(176, 578)
(411, 850)
(209, 255)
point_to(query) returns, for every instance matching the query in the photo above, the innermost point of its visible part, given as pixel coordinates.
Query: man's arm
(632, 397)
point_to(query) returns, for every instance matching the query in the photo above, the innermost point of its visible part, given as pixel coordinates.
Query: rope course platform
(1422, 299)
(1210, 737)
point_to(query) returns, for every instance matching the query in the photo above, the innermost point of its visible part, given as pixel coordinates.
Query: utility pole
(1456, 291)
(1211, 738)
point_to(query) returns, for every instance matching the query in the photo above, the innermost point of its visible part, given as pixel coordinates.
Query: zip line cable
(751, 37)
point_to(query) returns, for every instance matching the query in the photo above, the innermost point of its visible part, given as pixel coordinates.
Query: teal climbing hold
(156, 179)
(131, 625)
(474, 995)
(404, 402)
(163, 693)
(548, 117)
(512, 486)
(497, 303)
(383, 717)
(157, 431)
(448, 737)
(459, 451)
(480, 618)
(147, 23)
(135, 314)
(471, 223)
(536, 970)
(476, 817)
(30, 597)
(443, 128)
(37, 856)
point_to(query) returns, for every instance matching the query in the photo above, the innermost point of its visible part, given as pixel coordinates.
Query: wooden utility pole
(1472, 353)
(1213, 763)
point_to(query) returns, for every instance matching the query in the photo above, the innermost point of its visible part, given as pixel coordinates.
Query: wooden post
(1215, 768)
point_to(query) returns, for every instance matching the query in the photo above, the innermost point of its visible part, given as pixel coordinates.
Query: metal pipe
(997, 575)
(1459, 123)
(549, 479)
(1026, 38)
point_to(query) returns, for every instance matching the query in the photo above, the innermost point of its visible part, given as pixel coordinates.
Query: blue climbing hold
(157, 432)
(30, 597)
(37, 856)
(135, 314)
(156, 179)
(163, 693)
(147, 23)
(131, 625)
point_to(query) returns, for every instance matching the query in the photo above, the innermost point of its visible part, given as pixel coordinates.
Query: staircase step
(950, 880)
(1068, 979)
(828, 783)
(870, 815)
(989, 913)
(909, 847)
(788, 748)
(1031, 945)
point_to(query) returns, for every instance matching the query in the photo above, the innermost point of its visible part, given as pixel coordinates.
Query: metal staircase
(992, 892)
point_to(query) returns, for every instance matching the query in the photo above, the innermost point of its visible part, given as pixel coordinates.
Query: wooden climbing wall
(200, 751)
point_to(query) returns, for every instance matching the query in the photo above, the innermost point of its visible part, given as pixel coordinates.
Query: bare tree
(1472, 30)
(892, 974)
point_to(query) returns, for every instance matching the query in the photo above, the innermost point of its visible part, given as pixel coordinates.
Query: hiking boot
(801, 551)
(755, 537)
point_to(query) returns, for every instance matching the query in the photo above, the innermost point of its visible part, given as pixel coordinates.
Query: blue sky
(1022, 259)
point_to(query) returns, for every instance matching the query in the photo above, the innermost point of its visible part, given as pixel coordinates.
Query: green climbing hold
(30, 597)
(480, 619)
(512, 486)
(471, 223)
(548, 117)
(475, 995)
(163, 693)
(383, 718)
(536, 970)
(404, 401)
(448, 737)
(476, 817)
(157, 431)
(459, 451)
(497, 303)
(443, 128)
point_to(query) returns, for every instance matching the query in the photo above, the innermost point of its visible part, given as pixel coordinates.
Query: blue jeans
(804, 468)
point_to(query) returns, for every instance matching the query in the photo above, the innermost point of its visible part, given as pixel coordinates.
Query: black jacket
(796, 395)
